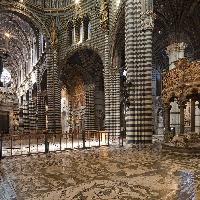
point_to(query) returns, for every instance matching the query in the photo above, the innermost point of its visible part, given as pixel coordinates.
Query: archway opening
(82, 93)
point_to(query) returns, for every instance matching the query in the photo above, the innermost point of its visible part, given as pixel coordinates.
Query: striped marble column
(30, 108)
(40, 107)
(21, 120)
(147, 34)
(25, 117)
(116, 96)
(54, 93)
(32, 116)
(41, 117)
(70, 114)
(25, 114)
(112, 96)
(90, 108)
(107, 88)
(117, 103)
(138, 56)
(99, 102)
(16, 114)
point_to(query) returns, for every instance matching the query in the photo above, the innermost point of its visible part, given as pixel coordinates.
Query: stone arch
(116, 25)
(79, 47)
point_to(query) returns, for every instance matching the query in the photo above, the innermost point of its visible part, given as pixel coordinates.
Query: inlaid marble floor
(104, 173)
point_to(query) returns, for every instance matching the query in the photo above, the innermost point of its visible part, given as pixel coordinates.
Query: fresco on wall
(78, 94)
(73, 105)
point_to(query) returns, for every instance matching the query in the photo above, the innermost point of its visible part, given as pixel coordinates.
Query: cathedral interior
(99, 99)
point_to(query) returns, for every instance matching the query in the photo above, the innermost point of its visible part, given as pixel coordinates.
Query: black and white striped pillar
(138, 55)
(40, 104)
(53, 93)
(109, 125)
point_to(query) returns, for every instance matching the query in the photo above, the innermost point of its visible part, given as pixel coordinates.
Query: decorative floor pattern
(104, 173)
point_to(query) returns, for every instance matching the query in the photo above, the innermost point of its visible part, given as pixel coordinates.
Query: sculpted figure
(54, 37)
(104, 14)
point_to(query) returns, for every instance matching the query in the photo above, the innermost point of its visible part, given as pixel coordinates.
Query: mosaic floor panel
(104, 173)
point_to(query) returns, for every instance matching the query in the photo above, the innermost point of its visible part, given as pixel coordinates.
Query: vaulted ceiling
(16, 37)
(176, 21)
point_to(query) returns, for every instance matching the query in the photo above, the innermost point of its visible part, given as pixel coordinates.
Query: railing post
(46, 144)
(37, 144)
(72, 139)
(20, 137)
(78, 138)
(1, 148)
(60, 142)
(66, 135)
(99, 138)
(11, 145)
(83, 135)
(108, 139)
(89, 136)
(29, 144)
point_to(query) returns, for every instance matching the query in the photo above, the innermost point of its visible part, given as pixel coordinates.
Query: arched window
(42, 43)
(78, 31)
(5, 77)
(87, 28)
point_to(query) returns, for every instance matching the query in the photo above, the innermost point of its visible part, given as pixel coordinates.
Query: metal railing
(26, 144)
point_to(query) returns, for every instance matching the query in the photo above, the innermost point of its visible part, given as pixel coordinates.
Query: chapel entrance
(82, 92)
(4, 122)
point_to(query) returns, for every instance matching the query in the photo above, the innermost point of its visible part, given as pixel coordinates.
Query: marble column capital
(147, 19)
